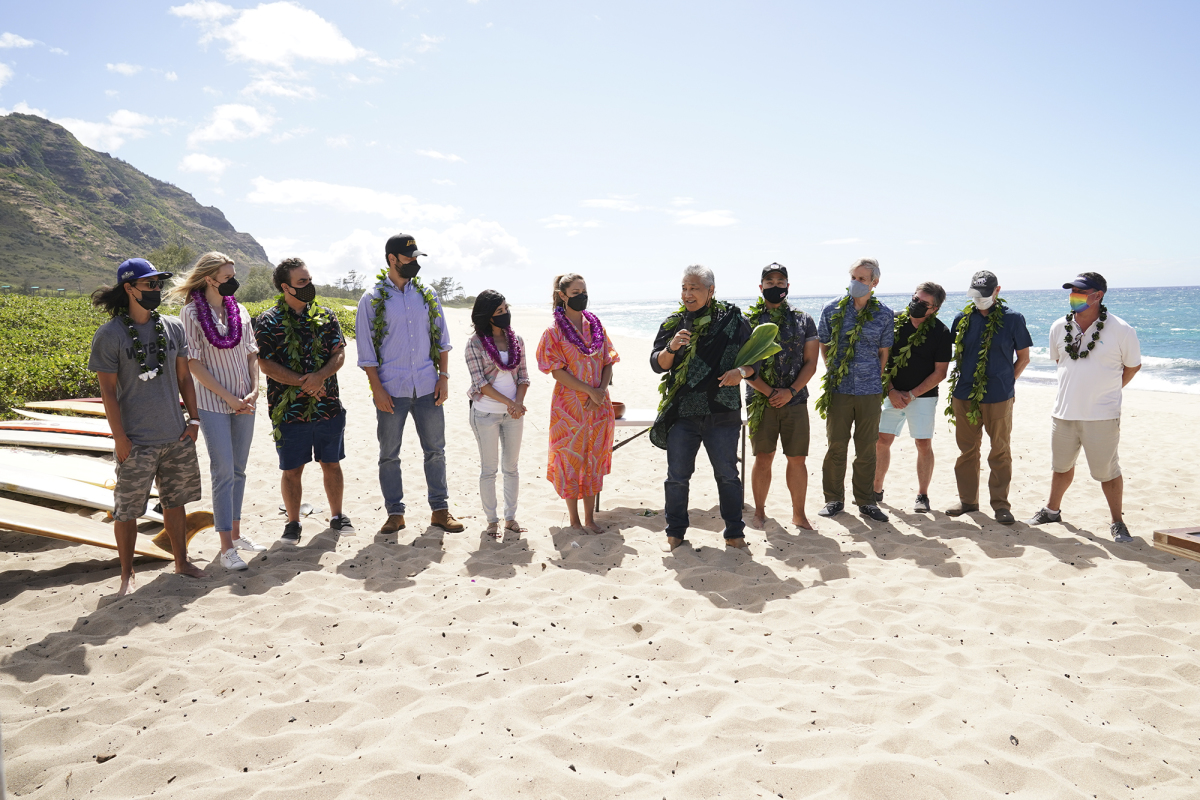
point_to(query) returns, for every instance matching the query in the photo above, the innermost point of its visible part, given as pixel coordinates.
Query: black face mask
(150, 300)
(774, 294)
(503, 320)
(228, 288)
(306, 294)
(918, 308)
(409, 271)
(578, 302)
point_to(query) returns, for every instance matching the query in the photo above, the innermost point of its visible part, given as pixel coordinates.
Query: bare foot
(801, 521)
(739, 543)
(127, 585)
(758, 521)
(592, 527)
(189, 569)
(672, 543)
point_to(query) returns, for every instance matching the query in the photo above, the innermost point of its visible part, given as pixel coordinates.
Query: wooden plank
(1179, 538)
(42, 521)
(1176, 551)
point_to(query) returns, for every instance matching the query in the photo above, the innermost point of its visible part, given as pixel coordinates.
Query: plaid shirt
(484, 371)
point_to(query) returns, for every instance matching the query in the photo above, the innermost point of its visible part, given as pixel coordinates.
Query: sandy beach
(924, 658)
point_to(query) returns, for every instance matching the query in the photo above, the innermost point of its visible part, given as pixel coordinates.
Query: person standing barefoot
(579, 354)
(141, 361)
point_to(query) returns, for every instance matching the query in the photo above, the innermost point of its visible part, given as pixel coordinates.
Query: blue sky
(625, 140)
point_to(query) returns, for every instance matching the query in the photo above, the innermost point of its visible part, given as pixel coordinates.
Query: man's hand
(732, 378)
(123, 447)
(780, 397)
(190, 431)
(899, 399)
(383, 400)
(680, 340)
(441, 392)
(311, 384)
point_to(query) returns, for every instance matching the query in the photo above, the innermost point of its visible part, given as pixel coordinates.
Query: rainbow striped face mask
(1079, 302)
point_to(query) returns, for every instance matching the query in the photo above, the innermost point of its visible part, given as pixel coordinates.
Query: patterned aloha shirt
(798, 329)
(866, 373)
(270, 335)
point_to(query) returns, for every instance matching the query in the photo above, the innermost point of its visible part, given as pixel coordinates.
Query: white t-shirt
(505, 383)
(1090, 388)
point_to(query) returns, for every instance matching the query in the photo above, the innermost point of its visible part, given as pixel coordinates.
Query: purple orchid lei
(233, 318)
(572, 335)
(514, 351)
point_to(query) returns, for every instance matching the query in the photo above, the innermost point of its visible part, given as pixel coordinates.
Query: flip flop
(306, 509)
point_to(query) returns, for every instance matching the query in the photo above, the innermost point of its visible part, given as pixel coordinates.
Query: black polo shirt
(938, 346)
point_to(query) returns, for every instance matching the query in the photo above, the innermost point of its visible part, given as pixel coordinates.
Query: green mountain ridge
(69, 214)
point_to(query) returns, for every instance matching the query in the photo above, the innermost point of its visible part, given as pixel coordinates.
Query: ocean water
(1167, 322)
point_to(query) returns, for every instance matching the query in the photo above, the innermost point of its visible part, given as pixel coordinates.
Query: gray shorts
(173, 465)
(1098, 438)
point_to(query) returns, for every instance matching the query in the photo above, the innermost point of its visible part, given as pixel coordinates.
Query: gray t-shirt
(150, 411)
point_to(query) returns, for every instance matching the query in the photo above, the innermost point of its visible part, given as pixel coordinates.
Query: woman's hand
(516, 410)
(251, 402)
(237, 405)
(595, 397)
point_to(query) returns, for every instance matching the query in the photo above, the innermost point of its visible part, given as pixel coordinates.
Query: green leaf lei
(317, 319)
(675, 377)
(758, 400)
(379, 321)
(837, 369)
(1073, 349)
(139, 349)
(900, 359)
(979, 387)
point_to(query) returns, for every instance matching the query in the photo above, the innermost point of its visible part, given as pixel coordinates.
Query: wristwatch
(744, 375)
(792, 389)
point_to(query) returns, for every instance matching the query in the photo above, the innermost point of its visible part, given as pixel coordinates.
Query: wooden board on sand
(65, 490)
(1179, 542)
(57, 441)
(78, 406)
(48, 426)
(40, 521)
(83, 424)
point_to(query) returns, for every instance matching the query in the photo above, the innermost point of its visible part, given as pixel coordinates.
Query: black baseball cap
(774, 267)
(984, 282)
(402, 245)
(1088, 281)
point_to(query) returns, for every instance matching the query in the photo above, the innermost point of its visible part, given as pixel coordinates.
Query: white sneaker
(231, 560)
(243, 543)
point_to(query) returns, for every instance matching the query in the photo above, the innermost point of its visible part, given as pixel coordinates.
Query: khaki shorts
(173, 465)
(789, 425)
(1098, 438)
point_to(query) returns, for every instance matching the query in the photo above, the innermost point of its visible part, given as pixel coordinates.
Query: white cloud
(211, 91)
(24, 108)
(211, 166)
(299, 130)
(230, 123)
(614, 203)
(58, 51)
(851, 240)
(709, 219)
(6, 74)
(171, 76)
(121, 126)
(279, 84)
(441, 156)
(111, 93)
(9, 40)
(682, 201)
(427, 43)
(567, 221)
(349, 199)
(337, 141)
(276, 247)
(444, 182)
(128, 70)
(272, 34)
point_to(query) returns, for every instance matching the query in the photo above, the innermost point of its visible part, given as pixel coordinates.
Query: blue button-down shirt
(405, 368)
(866, 373)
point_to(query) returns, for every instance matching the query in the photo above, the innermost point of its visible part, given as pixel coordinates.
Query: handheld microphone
(689, 319)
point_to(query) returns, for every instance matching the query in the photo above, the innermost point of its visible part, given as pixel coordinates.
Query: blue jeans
(496, 432)
(431, 430)
(720, 442)
(227, 437)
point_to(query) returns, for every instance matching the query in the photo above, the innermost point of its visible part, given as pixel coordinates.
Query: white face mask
(982, 303)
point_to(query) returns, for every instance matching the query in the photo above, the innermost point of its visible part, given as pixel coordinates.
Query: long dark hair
(486, 303)
(114, 300)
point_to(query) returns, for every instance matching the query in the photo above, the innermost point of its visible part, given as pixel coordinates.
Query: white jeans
(495, 432)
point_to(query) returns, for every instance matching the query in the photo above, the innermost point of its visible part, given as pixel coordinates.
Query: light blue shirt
(405, 368)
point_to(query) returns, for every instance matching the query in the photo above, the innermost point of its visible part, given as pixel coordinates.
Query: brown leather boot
(394, 523)
(442, 518)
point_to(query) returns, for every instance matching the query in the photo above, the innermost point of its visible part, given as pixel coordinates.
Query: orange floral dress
(581, 439)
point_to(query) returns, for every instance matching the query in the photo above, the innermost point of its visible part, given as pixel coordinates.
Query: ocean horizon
(1167, 320)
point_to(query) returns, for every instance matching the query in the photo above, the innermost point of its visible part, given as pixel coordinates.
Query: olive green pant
(996, 419)
(860, 412)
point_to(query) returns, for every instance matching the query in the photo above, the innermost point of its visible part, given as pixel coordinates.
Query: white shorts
(1098, 438)
(921, 414)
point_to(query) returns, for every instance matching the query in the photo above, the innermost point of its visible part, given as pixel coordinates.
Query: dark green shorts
(789, 425)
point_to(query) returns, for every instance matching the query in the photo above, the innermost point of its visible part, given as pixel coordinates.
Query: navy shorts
(302, 442)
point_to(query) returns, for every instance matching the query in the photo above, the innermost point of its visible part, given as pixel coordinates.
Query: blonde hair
(205, 267)
(561, 283)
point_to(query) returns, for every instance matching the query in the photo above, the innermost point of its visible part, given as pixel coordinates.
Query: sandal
(514, 526)
(493, 530)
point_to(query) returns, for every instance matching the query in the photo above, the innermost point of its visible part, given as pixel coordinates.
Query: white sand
(926, 658)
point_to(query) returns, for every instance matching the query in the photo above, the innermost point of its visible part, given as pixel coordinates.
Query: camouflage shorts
(173, 465)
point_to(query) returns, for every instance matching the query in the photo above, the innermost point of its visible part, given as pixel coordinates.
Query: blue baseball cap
(134, 269)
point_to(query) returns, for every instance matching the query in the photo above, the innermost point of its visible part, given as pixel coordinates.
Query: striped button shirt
(405, 368)
(230, 367)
